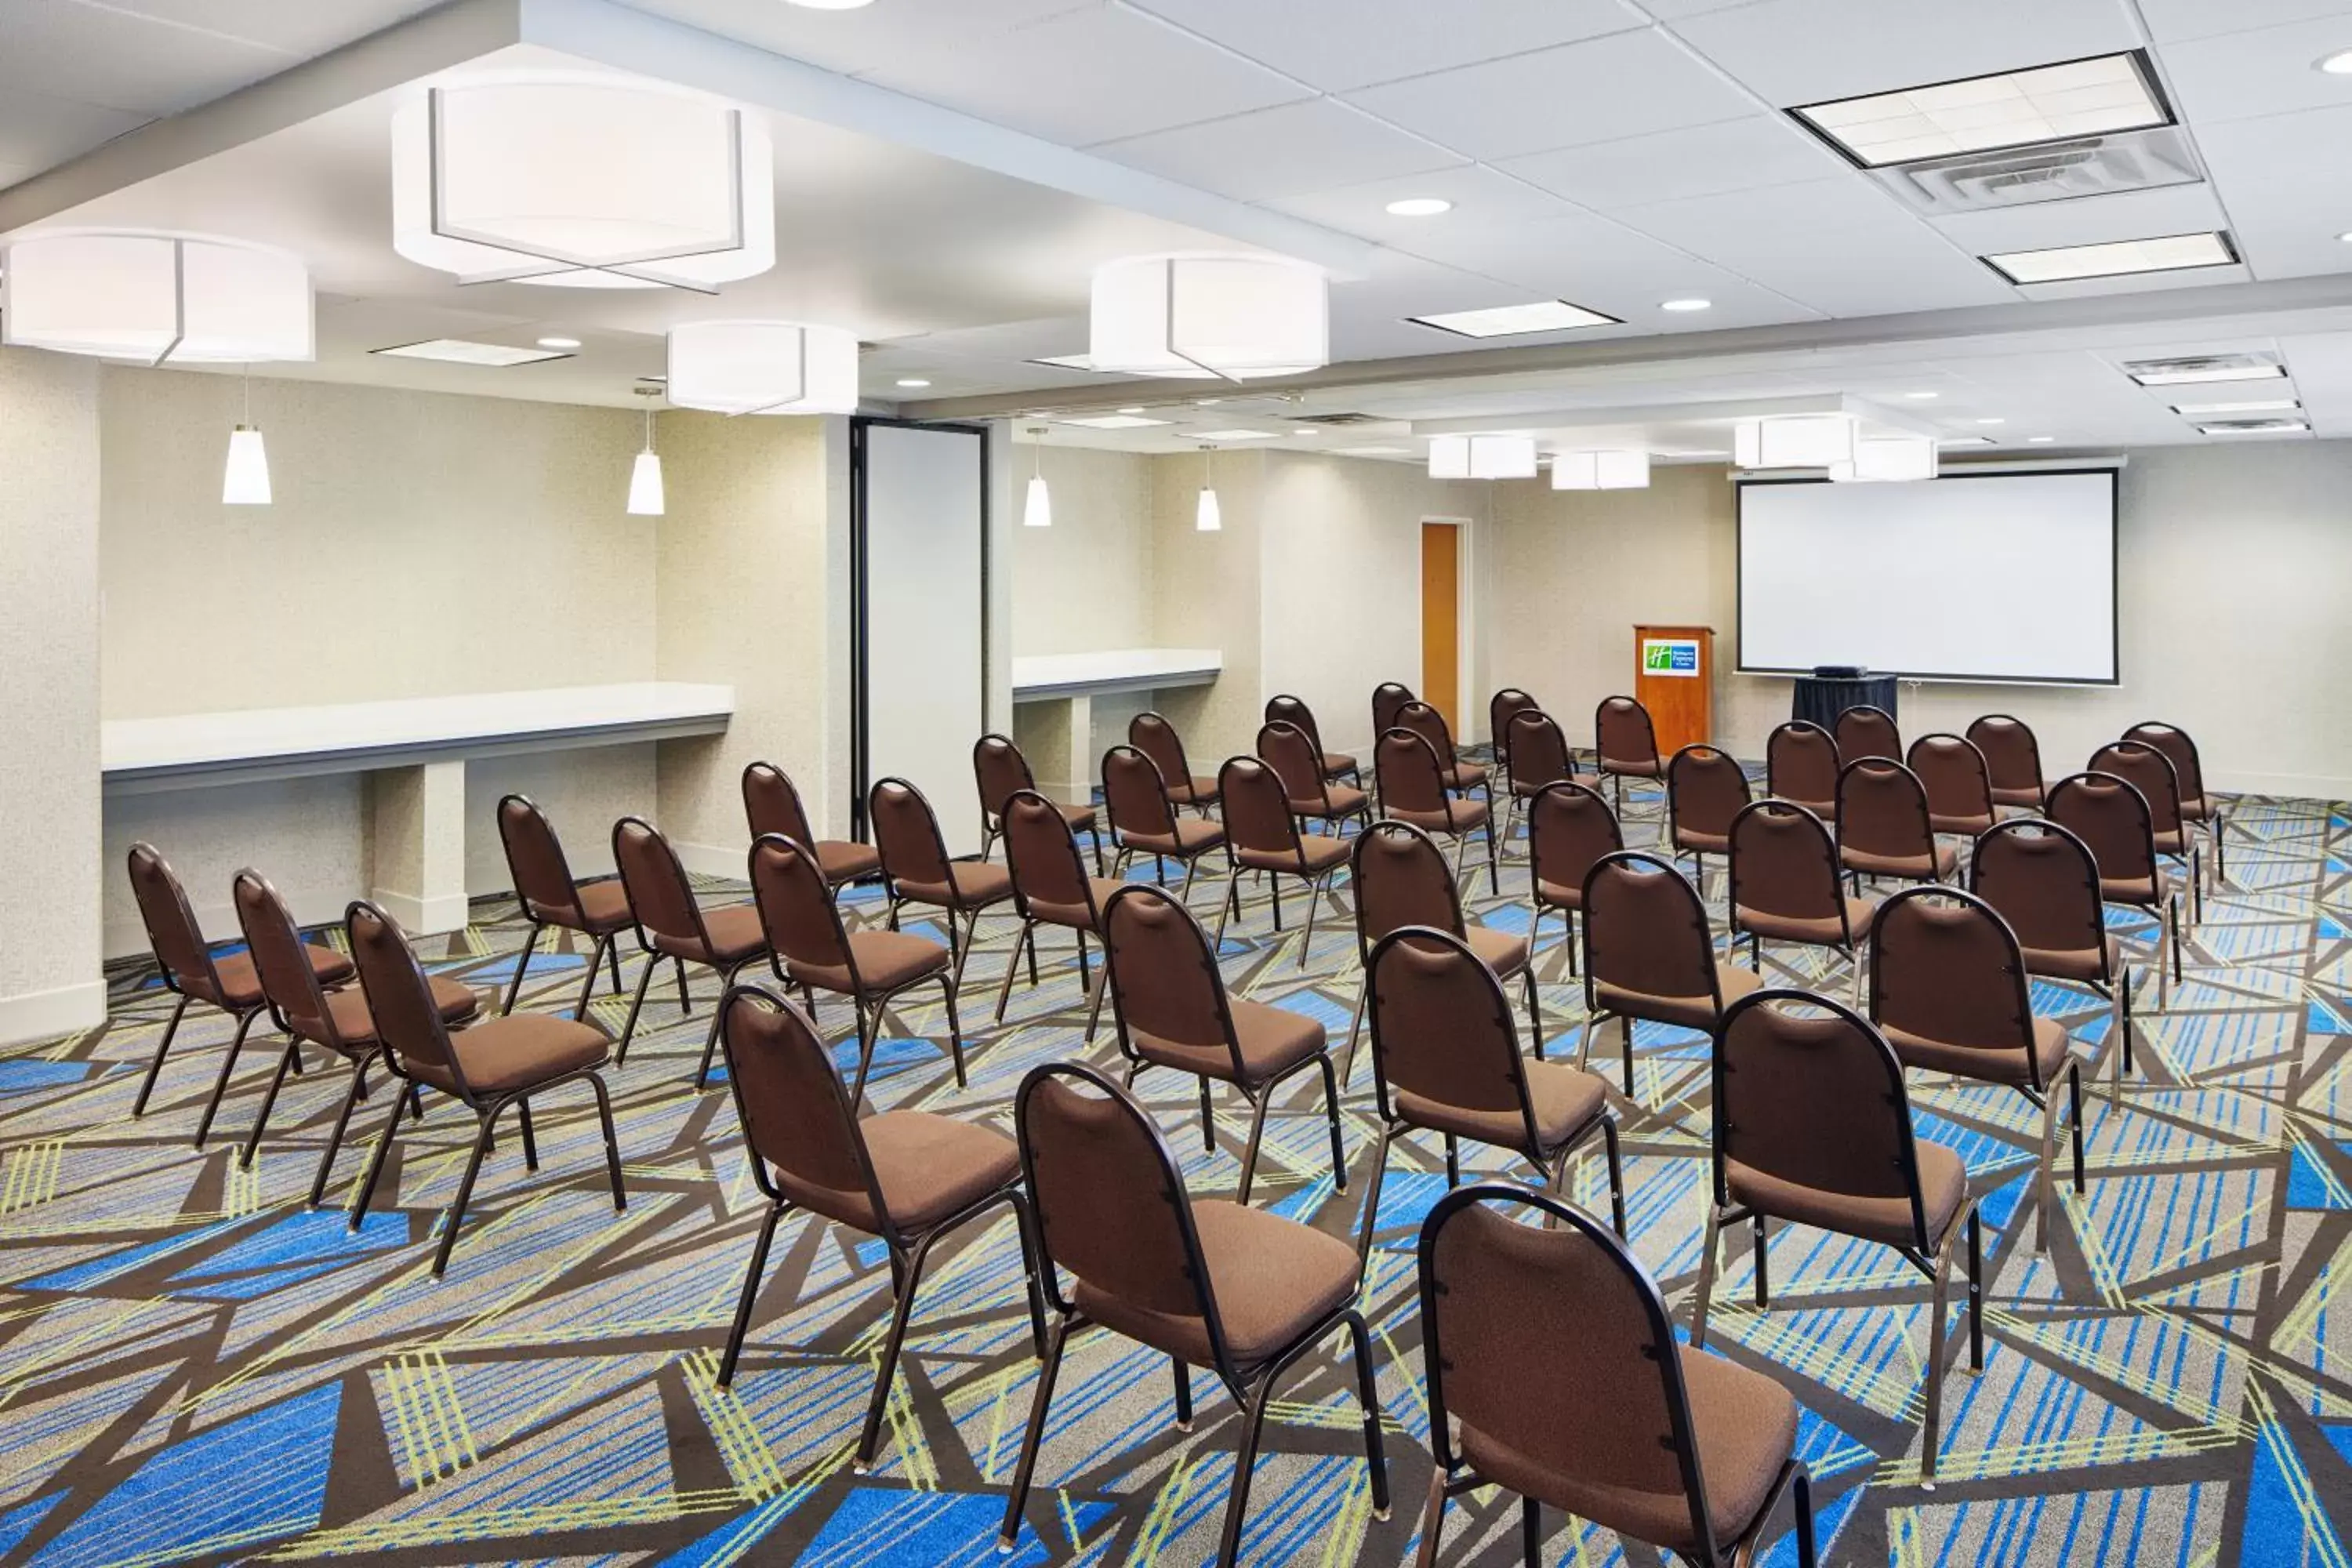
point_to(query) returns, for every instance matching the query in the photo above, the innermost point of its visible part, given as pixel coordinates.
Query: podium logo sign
(1670, 655)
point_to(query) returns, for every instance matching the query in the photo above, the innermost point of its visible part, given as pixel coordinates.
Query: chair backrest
(1814, 1098)
(1801, 763)
(1284, 709)
(1501, 709)
(2149, 771)
(1705, 790)
(1041, 853)
(2112, 817)
(1646, 930)
(1401, 878)
(1410, 777)
(668, 915)
(1134, 793)
(1428, 724)
(1867, 731)
(1784, 862)
(1164, 980)
(2044, 880)
(1388, 697)
(797, 1121)
(2011, 754)
(772, 805)
(907, 835)
(172, 929)
(1441, 1027)
(1536, 750)
(1258, 824)
(796, 908)
(1621, 731)
(399, 1000)
(535, 859)
(1295, 756)
(1001, 771)
(1883, 808)
(1156, 738)
(1570, 826)
(1552, 1341)
(1945, 966)
(1955, 774)
(275, 942)
(2175, 743)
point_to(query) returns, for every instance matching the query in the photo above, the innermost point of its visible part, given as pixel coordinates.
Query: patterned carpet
(195, 1368)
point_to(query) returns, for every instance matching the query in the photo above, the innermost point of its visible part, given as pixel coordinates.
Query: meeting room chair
(1553, 1371)
(1625, 745)
(1399, 879)
(190, 970)
(1785, 886)
(1948, 990)
(1239, 1292)
(1261, 834)
(2151, 773)
(1171, 1009)
(905, 1177)
(1540, 758)
(1144, 819)
(1156, 738)
(1649, 955)
(1569, 827)
(1284, 709)
(1051, 887)
(1446, 1059)
(1307, 778)
(2012, 759)
(672, 923)
(1800, 766)
(1001, 773)
(2112, 818)
(1413, 790)
(307, 1013)
(772, 804)
(1864, 730)
(916, 868)
(2045, 882)
(1958, 781)
(1388, 699)
(1812, 1127)
(1882, 827)
(498, 1063)
(1502, 707)
(1706, 788)
(1462, 775)
(549, 896)
(810, 947)
(2198, 805)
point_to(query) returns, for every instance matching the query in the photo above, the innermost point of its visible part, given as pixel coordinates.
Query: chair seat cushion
(1684, 1012)
(1824, 809)
(1336, 801)
(886, 961)
(603, 906)
(2019, 794)
(736, 933)
(1970, 824)
(1081, 818)
(1818, 931)
(1336, 763)
(2149, 891)
(1320, 851)
(2084, 964)
(240, 982)
(1943, 1183)
(1559, 895)
(1077, 917)
(970, 885)
(1193, 792)
(1272, 1280)
(1464, 775)
(842, 860)
(1634, 767)
(1870, 864)
(1527, 789)
(1701, 840)
(1500, 951)
(1193, 835)
(2201, 808)
(1988, 1064)
(1273, 1041)
(929, 1168)
(1459, 817)
(356, 1025)
(501, 1056)
(1563, 1098)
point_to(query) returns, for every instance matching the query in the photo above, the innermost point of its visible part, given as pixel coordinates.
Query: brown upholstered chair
(544, 886)
(1156, 738)
(1864, 730)
(191, 971)
(1501, 709)
(1206, 1283)
(1882, 827)
(1261, 834)
(2112, 818)
(1001, 773)
(1050, 887)
(1285, 709)
(1413, 790)
(1445, 1059)
(808, 946)
(2151, 773)
(1812, 1126)
(307, 1013)
(672, 923)
(1649, 953)
(1461, 776)
(908, 1177)
(1958, 781)
(1388, 699)
(1144, 820)
(1168, 998)
(1570, 826)
(2198, 805)
(1626, 743)
(2045, 882)
(1292, 752)
(772, 804)
(1399, 879)
(1706, 788)
(1553, 1371)
(2012, 759)
(1947, 989)
(916, 870)
(1540, 758)
(498, 1063)
(1800, 766)
(1785, 886)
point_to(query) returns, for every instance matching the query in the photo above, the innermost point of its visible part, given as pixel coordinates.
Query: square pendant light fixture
(457, 350)
(155, 298)
(762, 367)
(1482, 457)
(1618, 469)
(1516, 321)
(2116, 258)
(2100, 96)
(1887, 458)
(1793, 441)
(1206, 317)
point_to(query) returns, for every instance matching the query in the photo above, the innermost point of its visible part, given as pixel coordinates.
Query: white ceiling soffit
(1554, 423)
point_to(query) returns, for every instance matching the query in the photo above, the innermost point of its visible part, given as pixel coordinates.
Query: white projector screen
(1968, 577)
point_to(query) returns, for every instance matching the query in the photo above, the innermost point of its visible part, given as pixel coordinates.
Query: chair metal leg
(1095, 990)
(1616, 1174)
(964, 953)
(1976, 1288)
(636, 1005)
(866, 1039)
(1801, 1505)
(1355, 1030)
(1531, 1532)
(1331, 1105)
(1368, 1393)
(530, 1143)
(1224, 910)
(1370, 1218)
(1208, 1118)
(1432, 1519)
(612, 1143)
(685, 1001)
(375, 1161)
(955, 1032)
(1763, 1280)
(1025, 1222)
(523, 962)
(588, 984)
(1704, 1296)
(1625, 1028)
(1191, 865)
(710, 1040)
(290, 1056)
(457, 1213)
(342, 1120)
(1183, 1376)
(228, 1065)
(1245, 1461)
(1932, 1428)
(1273, 890)
(910, 1281)
(613, 958)
(1009, 1534)
(1535, 1002)
(1259, 1101)
(2075, 1094)
(734, 1350)
(1005, 987)
(147, 1085)
(2046, 1188)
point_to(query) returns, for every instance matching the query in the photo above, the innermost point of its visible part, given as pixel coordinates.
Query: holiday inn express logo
(1670, 655)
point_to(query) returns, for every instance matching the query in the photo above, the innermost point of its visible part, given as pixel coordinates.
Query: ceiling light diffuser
(1793, 441)
(1482, 458)
(459, 351)
(175, 298)
(246, 480)
(2116, 258)
(2255, 428)
(2337, 63)
(763, 367)
(1236, 435)
(1420, 206)
(566, 344)
(2193, 373)
(1114, 422)
(1511, 321)
(2010, 109)
(1202, 317)
(1617, 469)
(1680, 306)
(2248, 405)
(913, 382)
(1887, 457)
(1965, 441)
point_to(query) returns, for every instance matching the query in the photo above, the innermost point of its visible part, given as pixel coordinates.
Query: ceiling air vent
(2057, 171)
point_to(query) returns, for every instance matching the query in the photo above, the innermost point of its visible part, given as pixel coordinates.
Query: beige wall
(1084, 584)
(1205, 590)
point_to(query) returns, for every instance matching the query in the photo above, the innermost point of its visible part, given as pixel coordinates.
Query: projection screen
(1978, 577)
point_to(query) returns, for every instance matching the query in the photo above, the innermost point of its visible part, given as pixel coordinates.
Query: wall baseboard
(41, 1014)
(424, 917)
(2293, 786)
(728, 860)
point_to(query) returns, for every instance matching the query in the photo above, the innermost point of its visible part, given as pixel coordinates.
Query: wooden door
(1440, 623)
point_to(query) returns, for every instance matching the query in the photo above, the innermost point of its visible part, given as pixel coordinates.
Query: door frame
(1467, 732)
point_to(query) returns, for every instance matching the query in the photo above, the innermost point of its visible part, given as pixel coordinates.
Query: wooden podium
(1674, 677)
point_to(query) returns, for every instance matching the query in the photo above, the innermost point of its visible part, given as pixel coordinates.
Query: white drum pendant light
(1203, 317)
(582, 183)
(1793, 441)
(762, 367)
(1613, 469)
(156, 298)
(1888, 460)
(1482, 458)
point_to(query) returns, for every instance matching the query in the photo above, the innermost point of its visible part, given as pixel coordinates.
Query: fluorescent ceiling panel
(1512, 320)
(1239, 436)
(2200, 374)
(457, 350)
(1965, 441)
(2255, 428)
(2116, 258)
(2011, 109)
(2250, 405)
(1114, 422)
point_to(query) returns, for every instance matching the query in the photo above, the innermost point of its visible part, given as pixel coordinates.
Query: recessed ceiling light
(457, 350)
(2255, 428)
(1206, 402)
(1922, 397)
(1112, 422)
(1687, 305)
(2202, 368)
(1138, 409)
(1976, 114)
(913, 381)
(1306, 430)
(1965, 441)
(2116, 258)
(1996, 420)
(2040, 440)
(559, 343)
(1239, 436)
(1420, 206)
(2337, 63)
(2249, 406)
(1512, 321)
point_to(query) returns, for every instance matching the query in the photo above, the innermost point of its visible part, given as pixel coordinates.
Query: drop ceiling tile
(121, 62)
(1087, 76)
(1627, 84)
(2288, 193)
(1700, 160)
(1282, 151)
(2087, 220)
(851, 42)
(1343, 44)
(2169, 21)
(2241, 75)
(1802, 51)
(37, 131)
(300, 30)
